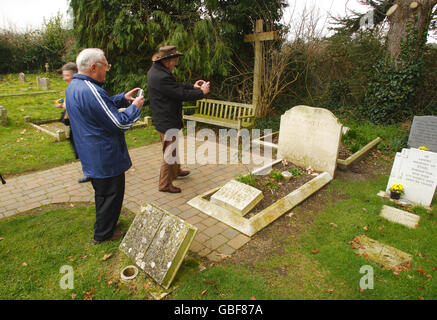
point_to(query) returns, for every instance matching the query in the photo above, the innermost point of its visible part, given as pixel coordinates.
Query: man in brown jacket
(166, 96)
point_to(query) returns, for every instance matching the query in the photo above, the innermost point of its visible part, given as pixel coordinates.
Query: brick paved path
(59, 185)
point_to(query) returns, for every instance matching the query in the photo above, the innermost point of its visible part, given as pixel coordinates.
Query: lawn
(303, 257)
(25, 149)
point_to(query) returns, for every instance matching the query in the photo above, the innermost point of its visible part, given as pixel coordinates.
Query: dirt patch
(273, 239)
(274, 186)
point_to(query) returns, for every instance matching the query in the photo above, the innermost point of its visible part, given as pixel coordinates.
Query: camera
(140, 93)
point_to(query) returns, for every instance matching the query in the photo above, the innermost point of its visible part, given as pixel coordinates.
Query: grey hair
(87, 57)
(70, 66)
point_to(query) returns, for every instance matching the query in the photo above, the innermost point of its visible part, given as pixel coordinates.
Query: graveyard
(320, 186)
(308, 249)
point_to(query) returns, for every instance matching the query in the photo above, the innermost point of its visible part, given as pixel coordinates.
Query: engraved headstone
(400, 216)
(424, 133)
(157, 242)
(416, 170)
(37, 82)
(310, 137)
(21, 77)
(237, 197)
(3, 117)
(386, 257)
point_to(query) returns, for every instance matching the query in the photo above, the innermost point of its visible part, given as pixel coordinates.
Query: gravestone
(44, 83)
(157, 242)
(37, 82)
(386, 257)
(237, 197)
(21, 77)
(400, 216)
(416, 170)
(3, 117)
(424, 133)
(310, 137)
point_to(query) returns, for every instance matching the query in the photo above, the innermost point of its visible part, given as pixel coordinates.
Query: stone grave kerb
(310, 137)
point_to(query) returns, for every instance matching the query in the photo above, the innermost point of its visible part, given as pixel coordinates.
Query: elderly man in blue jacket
(98, 128)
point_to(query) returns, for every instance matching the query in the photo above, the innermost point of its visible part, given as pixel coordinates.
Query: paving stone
(216, 242)
(239, 241)
(59, 185)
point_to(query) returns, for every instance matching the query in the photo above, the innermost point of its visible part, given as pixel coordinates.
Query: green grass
(35, 247)
(333, 271)
(24, 148)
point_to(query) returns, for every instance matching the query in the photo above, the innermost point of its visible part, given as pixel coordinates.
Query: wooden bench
(223, 113)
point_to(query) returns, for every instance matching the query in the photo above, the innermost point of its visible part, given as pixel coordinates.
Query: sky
(28, 14)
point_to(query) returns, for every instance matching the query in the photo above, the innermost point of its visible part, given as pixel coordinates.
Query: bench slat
(224, 113)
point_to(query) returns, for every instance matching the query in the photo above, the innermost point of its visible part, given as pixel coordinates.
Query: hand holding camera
(205, 88)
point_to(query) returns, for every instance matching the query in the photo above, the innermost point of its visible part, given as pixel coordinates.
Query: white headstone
(400, 216)
(44, 83)
(424, 133)
(416, 170)
(237, 197)
(22, 77)
(310, 137)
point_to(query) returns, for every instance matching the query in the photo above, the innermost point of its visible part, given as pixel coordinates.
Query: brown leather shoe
(117, 235)
(172, 189)
(184, 173)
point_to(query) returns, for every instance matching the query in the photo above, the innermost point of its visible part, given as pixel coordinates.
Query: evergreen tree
(208, 32)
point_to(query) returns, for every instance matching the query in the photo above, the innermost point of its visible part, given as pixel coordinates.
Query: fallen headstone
(237, 197)
(424, 133)
(310, 137)
(386, 257)
(400, 216)
(157, 242)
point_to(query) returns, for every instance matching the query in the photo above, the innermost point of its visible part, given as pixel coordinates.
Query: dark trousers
(109, 194)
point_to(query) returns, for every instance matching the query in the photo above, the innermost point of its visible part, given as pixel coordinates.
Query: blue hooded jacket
(98, 127)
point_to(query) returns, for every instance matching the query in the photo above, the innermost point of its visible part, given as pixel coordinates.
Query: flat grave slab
(400, 216)
(54, 128)
(250, 226)
(386, 257)
(157, 242)
(424, 133)
(237, 197)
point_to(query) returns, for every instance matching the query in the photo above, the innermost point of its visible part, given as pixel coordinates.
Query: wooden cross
(257, 37)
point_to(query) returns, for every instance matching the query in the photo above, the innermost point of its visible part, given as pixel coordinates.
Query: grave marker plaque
(386, 257)
(416, 170)
(424, 133)
(399, 216)
(310, 137)
(237, 197)
(157, 242)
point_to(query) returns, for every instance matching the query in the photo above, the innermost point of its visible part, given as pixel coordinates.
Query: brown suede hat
(165, 53)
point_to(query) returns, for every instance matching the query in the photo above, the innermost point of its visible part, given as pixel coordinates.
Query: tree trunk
(399, 22)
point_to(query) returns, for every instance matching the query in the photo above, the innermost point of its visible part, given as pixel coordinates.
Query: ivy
(393, 84)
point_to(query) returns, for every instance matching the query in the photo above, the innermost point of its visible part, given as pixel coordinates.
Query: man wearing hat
(166, 96)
